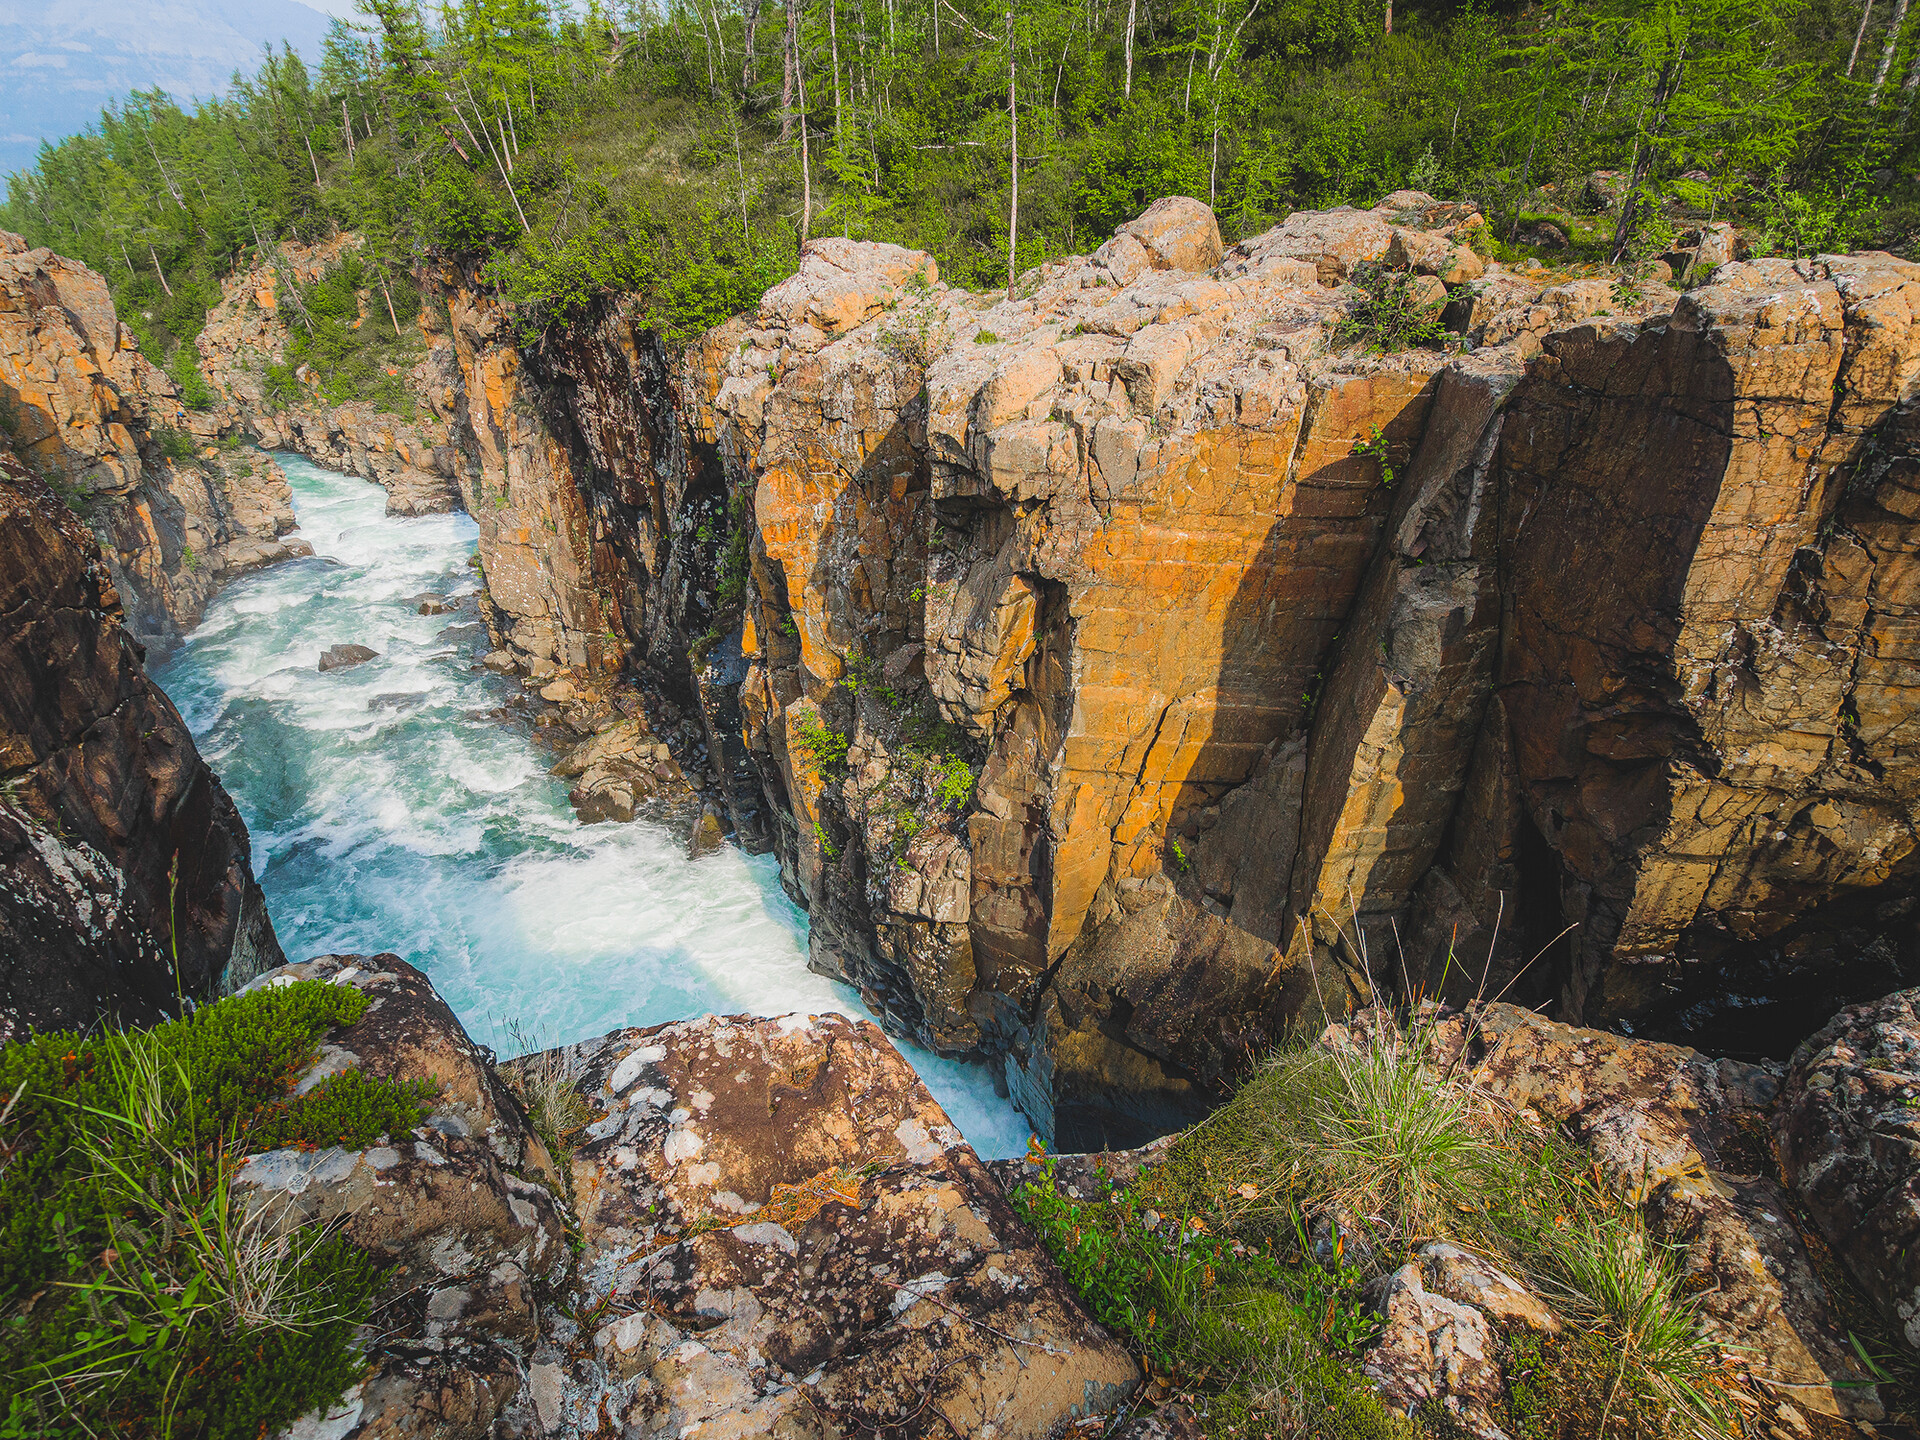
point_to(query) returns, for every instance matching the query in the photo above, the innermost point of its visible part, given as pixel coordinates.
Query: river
(392, 808)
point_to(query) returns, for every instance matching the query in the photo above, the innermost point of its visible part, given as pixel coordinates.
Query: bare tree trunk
(346, 124)
(806, 171)
(753, 25)
(792, 56)
(156, 269)
(1013, 160)
(1866, 14)
(1907, 87)
(1133, 10)
(1663, 90)
(1389, 26)
(1886, 51)
(833, 47)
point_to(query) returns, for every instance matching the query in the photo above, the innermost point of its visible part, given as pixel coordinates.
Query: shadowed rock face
(126, 876)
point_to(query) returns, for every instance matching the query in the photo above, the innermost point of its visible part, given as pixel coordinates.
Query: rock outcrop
(177, 513)
(126, 875)
(1683, 1137)
(409, 456)
(1848, 1129)
(762, 1227)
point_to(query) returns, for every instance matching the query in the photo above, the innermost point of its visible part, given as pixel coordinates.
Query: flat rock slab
(781, 1226)
(340, 657)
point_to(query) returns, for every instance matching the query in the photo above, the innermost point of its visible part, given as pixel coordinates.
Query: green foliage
(827, 847)
(137, 1292)
(353, 329)
(350, 1110)
(1387, 313)
(1371, 1129)
(568, 152)
(1273, 1340)
(176, 445)
(1374, 447)
(825, 746)
(184, 370)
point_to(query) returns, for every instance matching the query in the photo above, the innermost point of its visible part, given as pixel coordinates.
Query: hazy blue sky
(62, 60)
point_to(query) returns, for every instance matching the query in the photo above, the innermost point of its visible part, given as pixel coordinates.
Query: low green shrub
(138, 1294)
(826, 746)
(1387, 315)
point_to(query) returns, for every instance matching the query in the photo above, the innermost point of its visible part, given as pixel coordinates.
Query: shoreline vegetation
(681, 151)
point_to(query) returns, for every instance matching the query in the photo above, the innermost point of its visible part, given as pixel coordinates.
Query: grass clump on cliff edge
(139, 1295)
(1328, 1170)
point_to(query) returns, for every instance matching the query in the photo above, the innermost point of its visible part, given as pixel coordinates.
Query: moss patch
(137, 1295)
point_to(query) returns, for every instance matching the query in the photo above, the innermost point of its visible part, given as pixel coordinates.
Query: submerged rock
(342, 657)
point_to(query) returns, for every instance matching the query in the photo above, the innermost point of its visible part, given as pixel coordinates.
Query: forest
(682, 150)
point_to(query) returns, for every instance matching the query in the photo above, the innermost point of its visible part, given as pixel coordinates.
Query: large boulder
(126, 874)
(818, 1249)
(761, 1228)
(1848, 1127)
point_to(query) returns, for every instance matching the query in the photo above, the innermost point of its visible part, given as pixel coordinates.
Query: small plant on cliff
(1374, 447)
(176, 445)
(139, 1294)
(1388, 313)
(825, 746)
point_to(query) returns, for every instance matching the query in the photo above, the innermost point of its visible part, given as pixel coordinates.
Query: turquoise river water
(393, 809)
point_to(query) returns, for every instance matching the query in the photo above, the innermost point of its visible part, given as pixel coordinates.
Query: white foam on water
(425, 827)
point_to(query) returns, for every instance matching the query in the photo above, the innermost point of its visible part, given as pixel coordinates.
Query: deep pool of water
(392, 809)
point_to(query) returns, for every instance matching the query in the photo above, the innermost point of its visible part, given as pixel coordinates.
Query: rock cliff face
(410, 458)
(1292, 671)
(126, 877)
(178, 514)
(1568, 661)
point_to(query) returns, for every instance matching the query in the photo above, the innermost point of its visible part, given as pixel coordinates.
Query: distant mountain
(62, 60)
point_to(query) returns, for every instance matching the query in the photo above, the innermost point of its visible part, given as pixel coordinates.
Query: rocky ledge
(733, 1227)
(736, 1226)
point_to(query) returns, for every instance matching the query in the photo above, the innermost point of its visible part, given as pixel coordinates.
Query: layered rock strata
(774, 1231)
(178, 513)
(126, 876)
(1286, 669)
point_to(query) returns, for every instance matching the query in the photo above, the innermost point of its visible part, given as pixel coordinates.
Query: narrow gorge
(1090, 688)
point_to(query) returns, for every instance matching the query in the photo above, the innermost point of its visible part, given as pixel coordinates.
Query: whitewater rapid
(393, 807)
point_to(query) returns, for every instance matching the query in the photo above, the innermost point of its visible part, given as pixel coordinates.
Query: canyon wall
(1570, 663)
(177, 512)
(126, 878)
(1565, 661)
(409, 455)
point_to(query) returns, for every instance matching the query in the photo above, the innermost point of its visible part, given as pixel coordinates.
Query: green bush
(176, 445)
(826, 746)
(137, 1292)
(1386, 315)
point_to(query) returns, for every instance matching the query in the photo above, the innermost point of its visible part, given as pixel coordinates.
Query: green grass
(1370, 1137)
(138, 1294)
